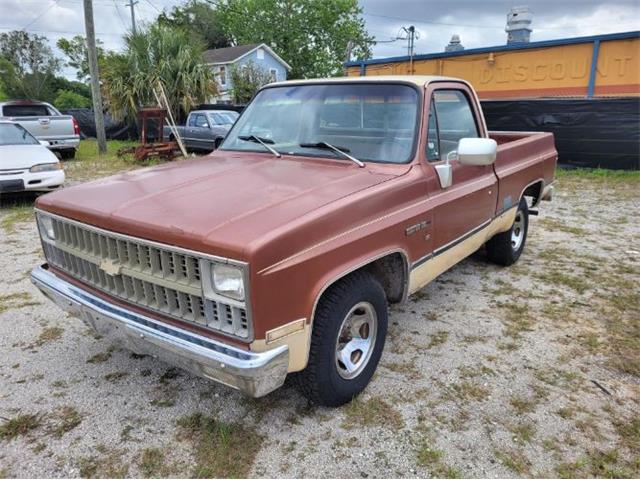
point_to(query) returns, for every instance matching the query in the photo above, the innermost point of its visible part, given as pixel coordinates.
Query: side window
(201, 121)
(455, 119)
(433, 142)
(192, 120)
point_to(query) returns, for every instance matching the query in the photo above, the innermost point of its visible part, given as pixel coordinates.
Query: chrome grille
(147, 275)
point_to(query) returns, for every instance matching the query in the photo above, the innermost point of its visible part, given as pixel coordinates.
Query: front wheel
(348, 337)
(505, 248)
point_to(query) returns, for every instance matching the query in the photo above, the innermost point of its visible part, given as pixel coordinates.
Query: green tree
(157, 54)
(76, 52)
(66, 99)
(200, 19)
(32, 61)
(246, 80)
(310, 35)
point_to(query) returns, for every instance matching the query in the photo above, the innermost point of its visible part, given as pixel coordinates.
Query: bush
(247, 79)
(66, 99)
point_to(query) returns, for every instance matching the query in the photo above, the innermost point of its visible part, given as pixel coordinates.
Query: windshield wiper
(261, 141)
(341, 150)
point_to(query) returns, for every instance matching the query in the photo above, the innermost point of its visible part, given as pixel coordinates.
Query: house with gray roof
(221, 60)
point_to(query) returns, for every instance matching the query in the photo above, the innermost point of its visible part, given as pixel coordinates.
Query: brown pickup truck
(279, 252)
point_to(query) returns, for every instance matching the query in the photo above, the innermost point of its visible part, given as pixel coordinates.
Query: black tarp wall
(595, 133)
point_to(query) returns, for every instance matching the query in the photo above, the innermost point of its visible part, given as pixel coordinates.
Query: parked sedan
(26, 164)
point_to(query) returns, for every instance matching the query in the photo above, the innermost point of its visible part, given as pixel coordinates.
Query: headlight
(46, 227)
(45, 167)
(228, 281)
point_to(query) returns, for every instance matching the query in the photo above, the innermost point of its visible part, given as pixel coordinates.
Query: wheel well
(217, 142)
(392, 273)
(535, 191)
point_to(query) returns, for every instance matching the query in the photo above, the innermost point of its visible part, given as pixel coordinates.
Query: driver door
(470, 202)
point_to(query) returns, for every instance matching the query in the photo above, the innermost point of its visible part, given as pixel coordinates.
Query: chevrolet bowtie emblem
(110, 267)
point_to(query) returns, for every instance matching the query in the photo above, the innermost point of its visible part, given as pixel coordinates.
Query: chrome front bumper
(255, 374)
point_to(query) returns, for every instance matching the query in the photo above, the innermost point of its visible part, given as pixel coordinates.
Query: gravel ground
(531, 370)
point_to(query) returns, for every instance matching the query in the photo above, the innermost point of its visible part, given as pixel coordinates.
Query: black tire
(502, 248)
(217, 143)
(68, 154)
(321, 382)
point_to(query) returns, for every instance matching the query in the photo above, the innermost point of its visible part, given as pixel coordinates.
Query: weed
(68, 419)
(20, 425)
(438, 338)
(47, 335)
(372, 412)
(523, 405)
(220, 450)
(115, 376)
(108, 464)
(514, 460)
(16, 215)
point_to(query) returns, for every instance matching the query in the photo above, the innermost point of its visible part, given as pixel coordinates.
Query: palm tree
(162, 54)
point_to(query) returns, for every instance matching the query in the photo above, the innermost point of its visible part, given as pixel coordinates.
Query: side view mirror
(44, 143)
(477, 151)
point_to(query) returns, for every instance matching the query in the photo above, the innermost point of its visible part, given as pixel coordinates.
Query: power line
(51, 5)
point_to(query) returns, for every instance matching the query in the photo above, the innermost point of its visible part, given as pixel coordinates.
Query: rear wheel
(505, 248)
(348, 337)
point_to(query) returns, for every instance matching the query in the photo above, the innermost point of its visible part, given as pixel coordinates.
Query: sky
(479, 23)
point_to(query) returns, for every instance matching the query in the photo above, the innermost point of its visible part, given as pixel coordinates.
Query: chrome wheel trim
(356, 340)
(517, 231)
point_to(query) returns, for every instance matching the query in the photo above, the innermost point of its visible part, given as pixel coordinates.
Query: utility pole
(411, 40)
(95, 76)
(132, 4)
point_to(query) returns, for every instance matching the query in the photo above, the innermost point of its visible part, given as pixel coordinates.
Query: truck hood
(218, 204)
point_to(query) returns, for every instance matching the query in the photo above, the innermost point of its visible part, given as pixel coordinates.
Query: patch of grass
(476, 371)
(566, 412)
(517, 317)
(465, 391)
(48, 335)
(432, 458)
(629, 432)
(153, 464)
(407, 368)
(115, 376)
(88, 164)
(598, 464)
(523, 432)
(16, 300)
(220, 449)
(107, 464)
(16, 215)
(598, 174)
(67, 418)
(555, 224)
(20, 425)
(371, 412)
(438, 338)
(163, 402)
(514, 460)
(557, 277)
(100, 357)
(523, 405)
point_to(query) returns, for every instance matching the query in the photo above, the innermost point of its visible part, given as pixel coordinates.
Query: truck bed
(523, 158)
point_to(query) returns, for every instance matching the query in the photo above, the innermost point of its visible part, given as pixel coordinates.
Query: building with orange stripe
(596, 66)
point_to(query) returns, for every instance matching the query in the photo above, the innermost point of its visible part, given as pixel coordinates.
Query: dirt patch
(487, 372)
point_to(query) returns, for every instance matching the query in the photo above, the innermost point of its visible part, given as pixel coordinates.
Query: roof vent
(519, 25)
(454, 44)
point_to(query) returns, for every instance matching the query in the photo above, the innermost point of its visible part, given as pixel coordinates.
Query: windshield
(13, 134)
(374, 122)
